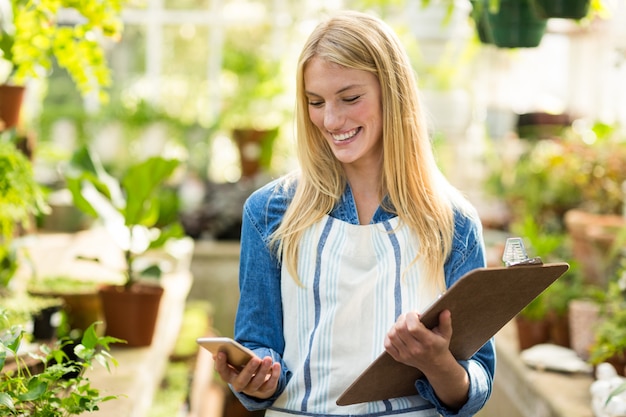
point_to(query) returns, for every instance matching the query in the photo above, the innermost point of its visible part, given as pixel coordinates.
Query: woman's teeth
(346, 136)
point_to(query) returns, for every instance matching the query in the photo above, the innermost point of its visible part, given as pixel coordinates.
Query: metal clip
(515, 253)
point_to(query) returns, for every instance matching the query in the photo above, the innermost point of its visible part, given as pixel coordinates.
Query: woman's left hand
(412, 343)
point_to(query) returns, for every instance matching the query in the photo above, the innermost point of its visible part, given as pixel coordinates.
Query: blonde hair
(417, 191)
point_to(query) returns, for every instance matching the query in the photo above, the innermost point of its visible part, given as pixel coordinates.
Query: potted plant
(36, 35)
(61, 387)
(566, 9)
(546, 318)
(81, 300)
(252, 89)
(514, 23)
(132, 212)
(40, 315)
(609, 343)
(569, 9)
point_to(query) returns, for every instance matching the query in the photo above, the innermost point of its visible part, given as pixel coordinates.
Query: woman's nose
(333, 118)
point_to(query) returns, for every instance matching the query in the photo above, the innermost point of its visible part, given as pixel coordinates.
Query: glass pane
(128, 57)
(186, 4)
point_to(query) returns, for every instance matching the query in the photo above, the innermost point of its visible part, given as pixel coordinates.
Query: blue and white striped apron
(355, 282)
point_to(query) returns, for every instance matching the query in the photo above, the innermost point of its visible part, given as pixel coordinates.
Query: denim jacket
(259, 320)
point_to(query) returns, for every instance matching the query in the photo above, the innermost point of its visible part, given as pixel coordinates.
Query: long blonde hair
(418, 193)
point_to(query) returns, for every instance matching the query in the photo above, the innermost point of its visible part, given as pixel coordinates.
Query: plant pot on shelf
(619, 363)
(515, 24)
(583, 317)
(81, 301)
(593, 237)
(131, 313)
(11, 98)
(531, 332)
(559, 331)
(563, 9)
(46, 322)
(255, 149)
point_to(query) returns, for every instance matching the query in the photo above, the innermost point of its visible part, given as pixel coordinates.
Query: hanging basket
(516, 25)
(563, 9)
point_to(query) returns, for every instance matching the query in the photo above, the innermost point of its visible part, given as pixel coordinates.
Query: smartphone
(238, 355)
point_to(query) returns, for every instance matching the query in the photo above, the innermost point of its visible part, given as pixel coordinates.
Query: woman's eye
(316, 103)
(351, 99)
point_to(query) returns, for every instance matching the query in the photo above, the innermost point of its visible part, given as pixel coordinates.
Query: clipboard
(481, 303)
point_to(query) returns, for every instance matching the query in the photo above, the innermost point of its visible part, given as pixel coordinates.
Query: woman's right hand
(259, 378)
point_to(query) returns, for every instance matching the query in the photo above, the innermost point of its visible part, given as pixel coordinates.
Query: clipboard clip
(515, 253)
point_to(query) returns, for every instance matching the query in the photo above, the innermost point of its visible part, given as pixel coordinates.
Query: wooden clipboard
(481, 303)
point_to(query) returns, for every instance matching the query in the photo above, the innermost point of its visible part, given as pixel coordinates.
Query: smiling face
(345, 105)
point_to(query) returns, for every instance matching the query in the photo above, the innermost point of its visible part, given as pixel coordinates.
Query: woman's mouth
(346, 135)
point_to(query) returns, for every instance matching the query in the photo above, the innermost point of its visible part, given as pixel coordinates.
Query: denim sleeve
(468, 253)
(259, 319)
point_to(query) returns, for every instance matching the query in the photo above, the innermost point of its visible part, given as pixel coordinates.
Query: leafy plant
(252, 80)
(35, 34)
(610, 334)
(20, 308)
(62, 388)
(131, 209)
(551, 247)
(582, 169)
(21, 198)
(62, 284)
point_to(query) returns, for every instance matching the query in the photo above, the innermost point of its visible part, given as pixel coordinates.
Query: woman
(338, 259)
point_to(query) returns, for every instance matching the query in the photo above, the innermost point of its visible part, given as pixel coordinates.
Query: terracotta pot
(619, 363)
(255, 149)
(592, 237)
(10, 105)
(583, 317)
(82, 308)
(559, 329)
(131, 315)
(531, 332)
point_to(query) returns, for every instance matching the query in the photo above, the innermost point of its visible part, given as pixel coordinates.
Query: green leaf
(141, 183)
(6, 401)
(17, 335)
(36, 389)
(153, 271)
(90, 337)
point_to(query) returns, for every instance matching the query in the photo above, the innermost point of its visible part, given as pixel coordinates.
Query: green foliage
(610, 334)
(551, 247)
(129, 208)
(21, 198)
(32, 36)
(62, 285)
(62, 389)
(583, 169)
(252, 80)
(18, 309)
